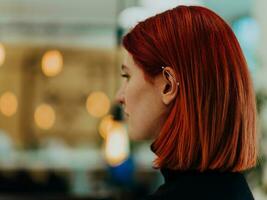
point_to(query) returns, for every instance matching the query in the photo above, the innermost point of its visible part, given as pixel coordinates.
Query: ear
(170, 85)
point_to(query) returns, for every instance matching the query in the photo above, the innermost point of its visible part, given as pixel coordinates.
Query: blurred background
(62, 135)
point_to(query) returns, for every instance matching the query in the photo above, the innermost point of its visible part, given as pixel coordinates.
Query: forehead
(128, 62)
(125, 66)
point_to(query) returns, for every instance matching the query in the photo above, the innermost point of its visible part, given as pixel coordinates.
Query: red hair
(212, 124)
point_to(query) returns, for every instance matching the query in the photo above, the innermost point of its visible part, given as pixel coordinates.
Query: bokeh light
(8, 104)
(2, 54)
(52, 63)
(117, 145)
(44, 116)
(97, 104)
(105, 125)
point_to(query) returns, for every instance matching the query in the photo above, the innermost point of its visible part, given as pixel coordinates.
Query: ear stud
(171, 76)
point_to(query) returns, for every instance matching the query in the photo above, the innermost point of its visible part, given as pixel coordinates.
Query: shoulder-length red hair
(213, 121)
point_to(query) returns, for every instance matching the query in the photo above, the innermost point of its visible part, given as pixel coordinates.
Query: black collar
(173, 175)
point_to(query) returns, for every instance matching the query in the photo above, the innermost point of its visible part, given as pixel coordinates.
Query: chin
(136, 138)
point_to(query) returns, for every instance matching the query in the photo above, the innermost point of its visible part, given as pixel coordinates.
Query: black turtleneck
(208, 185)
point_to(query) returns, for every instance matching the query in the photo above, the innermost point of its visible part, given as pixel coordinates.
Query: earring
(171, 76)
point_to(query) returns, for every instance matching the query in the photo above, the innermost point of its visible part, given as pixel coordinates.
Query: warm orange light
(98, 104)
(44, 116)
(8, 104)
(105, 125)
(52, 63)
(117, 145)
(2, 54)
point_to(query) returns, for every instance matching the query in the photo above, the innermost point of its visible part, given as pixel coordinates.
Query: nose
(120, 96)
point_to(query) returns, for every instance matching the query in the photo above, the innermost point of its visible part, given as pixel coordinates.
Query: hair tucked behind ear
(213, 121)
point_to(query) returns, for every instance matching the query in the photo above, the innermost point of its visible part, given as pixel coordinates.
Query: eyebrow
(123, 67)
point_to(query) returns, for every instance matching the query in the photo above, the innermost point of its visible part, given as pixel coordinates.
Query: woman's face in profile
(141, 101)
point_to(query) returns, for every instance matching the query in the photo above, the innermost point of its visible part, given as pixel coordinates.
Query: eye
(125, 76)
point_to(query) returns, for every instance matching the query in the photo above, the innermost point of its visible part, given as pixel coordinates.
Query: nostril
(120, 102)
(118, 99)
(122, 105)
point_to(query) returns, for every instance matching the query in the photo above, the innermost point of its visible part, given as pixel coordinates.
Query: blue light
(247, 32)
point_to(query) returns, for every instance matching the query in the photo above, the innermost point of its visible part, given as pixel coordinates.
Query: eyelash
(125, 76)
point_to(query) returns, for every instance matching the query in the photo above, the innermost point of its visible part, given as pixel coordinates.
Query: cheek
(142, 107)
(131, 99)
(134, 92)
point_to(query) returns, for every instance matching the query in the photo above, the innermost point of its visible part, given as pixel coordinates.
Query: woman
(188, 89)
